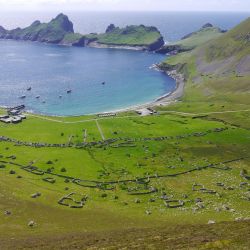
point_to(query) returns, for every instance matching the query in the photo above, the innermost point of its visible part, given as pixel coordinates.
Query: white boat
(22, 97)
(38, 96)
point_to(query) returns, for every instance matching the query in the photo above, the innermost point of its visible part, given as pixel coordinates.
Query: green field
(131, 35)
(189, 144)
(133, 182)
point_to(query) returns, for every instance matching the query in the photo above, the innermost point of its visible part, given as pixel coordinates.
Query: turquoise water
(50, 70)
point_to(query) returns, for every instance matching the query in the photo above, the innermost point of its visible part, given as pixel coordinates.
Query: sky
(129, 5)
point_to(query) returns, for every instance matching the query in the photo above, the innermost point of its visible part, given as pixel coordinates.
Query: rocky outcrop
(135, 37)
(207, 25)
(52, 32)
(157, 44)
(60, 31)
(2, 32)
(171, 49)
(110, 28)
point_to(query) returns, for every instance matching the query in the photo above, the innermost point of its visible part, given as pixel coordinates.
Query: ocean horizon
(172, 25)
(51, 69)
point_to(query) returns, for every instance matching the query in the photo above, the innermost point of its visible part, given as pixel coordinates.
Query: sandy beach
(165, 99)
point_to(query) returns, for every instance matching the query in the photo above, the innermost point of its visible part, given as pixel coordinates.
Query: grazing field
(162, 170)
(178, 179)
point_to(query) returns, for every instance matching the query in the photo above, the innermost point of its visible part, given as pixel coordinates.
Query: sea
(101, 80)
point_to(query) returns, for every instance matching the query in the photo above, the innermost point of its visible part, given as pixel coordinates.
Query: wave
(53, 55)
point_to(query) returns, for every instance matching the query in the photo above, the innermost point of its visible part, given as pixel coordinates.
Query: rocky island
(60, 31)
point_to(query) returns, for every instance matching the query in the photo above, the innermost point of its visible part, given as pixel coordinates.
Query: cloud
(205, 5)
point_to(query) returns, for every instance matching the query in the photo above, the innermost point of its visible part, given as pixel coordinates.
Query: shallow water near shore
(51, 70)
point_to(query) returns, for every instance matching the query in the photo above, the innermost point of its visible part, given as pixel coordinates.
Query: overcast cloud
(136, 5)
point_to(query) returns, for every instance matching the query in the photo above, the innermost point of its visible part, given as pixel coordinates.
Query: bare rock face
(110, 28)
(156, 45)
(207, 25)
(3, 32)
(63, 23)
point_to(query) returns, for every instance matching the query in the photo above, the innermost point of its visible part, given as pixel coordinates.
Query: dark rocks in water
(83, 41)
(171, 49)
(156, 45)
(110, 28)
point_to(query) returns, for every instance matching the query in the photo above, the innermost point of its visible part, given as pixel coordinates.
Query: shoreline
(164, 100)
(113, 46)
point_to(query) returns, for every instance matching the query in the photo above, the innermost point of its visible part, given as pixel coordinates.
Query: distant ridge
(52, 32)
(193, 40)
(60, 31)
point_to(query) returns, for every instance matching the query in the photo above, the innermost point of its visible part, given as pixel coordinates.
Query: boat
(38, 96)
(29, 89)
(103, 83)
(22, 97)
(69, 91)
(60, 96)
(43, 102)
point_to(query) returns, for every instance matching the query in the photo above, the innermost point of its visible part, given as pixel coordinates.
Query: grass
(199, 38)
(134, 173)
(107, 163)
(131, 35)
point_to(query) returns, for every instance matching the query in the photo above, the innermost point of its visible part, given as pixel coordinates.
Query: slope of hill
(230, 54)
(52, 32)
(218, 71)
(137, 36)
(193, 40)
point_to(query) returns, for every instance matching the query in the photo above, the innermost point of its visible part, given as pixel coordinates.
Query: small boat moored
(29, 89)
(69, 91)
(22, 97)
(38, 96)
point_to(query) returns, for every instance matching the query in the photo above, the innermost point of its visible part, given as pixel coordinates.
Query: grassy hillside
(131, 35)
(52, 32)
(151, 182)
(235, 43)
(199, 38)
(193, 40)
(217, 73)
(171, 166)
(60, 31)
